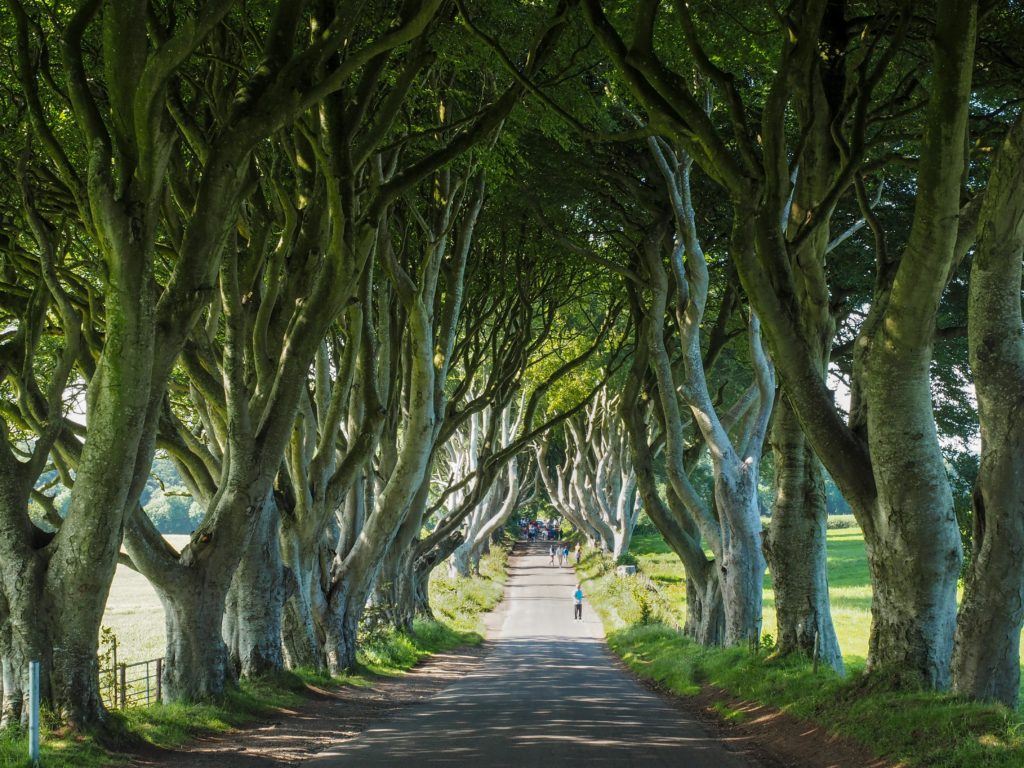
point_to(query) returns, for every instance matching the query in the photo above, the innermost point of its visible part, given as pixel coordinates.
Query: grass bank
(910, 728)
(459, 606)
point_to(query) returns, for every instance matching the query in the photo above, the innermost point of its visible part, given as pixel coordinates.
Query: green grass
(458, 604)
(917, 728)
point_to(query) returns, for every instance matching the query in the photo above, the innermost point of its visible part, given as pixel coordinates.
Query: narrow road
(548, 694)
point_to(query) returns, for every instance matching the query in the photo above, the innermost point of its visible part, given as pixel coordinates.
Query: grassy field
(915, 729)
(134, 613)
(849, 587)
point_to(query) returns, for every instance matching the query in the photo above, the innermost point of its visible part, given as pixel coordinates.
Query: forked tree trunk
(705, 610)
(796, 546)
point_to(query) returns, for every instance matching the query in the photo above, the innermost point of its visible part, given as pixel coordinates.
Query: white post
(33, 712)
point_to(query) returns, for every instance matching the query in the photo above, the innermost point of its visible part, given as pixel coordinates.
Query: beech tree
(892, 435)
(595, 487)
(110, 168)
(986, 654)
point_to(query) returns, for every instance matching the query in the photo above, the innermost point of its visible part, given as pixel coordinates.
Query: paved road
(548, 694)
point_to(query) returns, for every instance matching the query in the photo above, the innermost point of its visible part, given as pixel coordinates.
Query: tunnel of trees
(338, 288)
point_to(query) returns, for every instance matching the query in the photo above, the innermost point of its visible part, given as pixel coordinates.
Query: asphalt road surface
(547, 694)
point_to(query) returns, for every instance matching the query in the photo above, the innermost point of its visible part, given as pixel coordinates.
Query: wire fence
(130, 685)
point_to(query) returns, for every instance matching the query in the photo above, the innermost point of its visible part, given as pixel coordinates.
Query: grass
(459, 605)
(915, 728)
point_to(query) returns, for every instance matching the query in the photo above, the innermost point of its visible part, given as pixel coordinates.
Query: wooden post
(159, 679)
(121, 674)
(113, 668)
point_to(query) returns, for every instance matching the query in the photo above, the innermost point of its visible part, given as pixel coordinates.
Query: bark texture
(986, 655)
(796, 546)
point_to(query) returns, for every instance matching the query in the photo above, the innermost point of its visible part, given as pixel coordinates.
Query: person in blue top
(577, 598)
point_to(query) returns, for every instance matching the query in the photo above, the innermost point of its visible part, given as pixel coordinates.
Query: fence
(130, 685)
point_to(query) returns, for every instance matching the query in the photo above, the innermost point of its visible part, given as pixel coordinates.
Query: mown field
(849, 586)
(134, 613)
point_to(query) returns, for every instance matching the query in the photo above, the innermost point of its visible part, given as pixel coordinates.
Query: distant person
(551, 551)
(577, 603)
(565, 554)
(559, 549)
(579, 553)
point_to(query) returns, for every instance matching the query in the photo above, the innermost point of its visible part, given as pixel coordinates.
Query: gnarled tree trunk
(252, 619)
(986, 656)
(796, 545)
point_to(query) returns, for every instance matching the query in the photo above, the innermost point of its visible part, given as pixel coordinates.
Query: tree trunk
(460, 560)
(302, 625)
(196, 667)
(621, 540)
(252, 619)
(396, 589)
(343, 630)
(741, 566)
(912, 539)
(705, 611)
(986, 654)
(24, 636)
(421, 590)
(796, 546)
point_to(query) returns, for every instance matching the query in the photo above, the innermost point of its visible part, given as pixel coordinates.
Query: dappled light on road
(547, 692)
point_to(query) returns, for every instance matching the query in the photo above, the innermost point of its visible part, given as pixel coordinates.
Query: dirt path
(329, 715)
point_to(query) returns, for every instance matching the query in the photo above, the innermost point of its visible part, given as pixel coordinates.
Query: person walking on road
(577, 607)
(559, 557)
(564, 553)
(579, 553)
(551, 551)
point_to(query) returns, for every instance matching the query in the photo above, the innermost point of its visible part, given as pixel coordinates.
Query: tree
(986, 654)
(892, 436)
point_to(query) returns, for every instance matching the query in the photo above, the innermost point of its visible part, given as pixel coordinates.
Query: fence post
(113, 668)
(121, 674)
(33, 712)
(159, 680)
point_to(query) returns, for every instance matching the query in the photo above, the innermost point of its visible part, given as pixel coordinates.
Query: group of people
(538, 530)
(561, 551)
